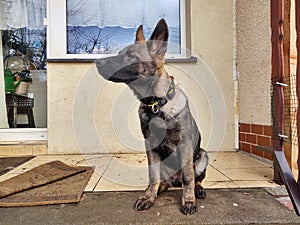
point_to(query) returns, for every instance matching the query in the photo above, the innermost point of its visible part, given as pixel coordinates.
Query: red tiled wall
(252, 135)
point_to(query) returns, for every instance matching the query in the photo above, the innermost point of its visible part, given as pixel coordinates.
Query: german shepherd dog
(172, 139)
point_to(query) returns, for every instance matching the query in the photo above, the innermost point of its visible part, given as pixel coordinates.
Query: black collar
(154, 103)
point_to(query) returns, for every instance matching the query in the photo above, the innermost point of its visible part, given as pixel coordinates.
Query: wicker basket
(19, 101)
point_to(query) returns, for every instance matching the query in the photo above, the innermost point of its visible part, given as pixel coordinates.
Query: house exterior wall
(254, 52)
(254, 61)
(208, 84)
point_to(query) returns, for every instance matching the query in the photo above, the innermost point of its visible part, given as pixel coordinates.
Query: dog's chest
(160, 129)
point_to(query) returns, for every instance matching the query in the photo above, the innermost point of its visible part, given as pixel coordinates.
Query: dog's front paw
(188, 208)
(200, 193)
(143, 204)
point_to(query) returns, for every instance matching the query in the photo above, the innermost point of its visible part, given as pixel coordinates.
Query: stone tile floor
(124, 172)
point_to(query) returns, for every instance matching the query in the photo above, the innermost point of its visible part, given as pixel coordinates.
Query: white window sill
(191, 59)
(23, 136)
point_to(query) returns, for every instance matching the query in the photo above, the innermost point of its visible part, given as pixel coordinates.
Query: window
(23, 96)
(88, 29)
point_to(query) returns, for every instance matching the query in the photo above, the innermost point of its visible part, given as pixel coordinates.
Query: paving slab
(221, 206)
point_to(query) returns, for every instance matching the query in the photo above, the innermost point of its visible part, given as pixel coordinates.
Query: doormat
(9, 163)
(50, 183)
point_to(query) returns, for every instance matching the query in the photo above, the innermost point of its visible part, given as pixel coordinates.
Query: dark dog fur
(171, 135)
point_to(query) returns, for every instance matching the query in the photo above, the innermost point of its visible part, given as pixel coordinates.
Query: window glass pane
(24, 62)
(106, 26)
(28, 43)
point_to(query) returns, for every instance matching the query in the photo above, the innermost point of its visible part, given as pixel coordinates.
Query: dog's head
(141, 64)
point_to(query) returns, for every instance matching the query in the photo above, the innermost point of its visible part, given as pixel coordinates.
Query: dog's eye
(131, 55)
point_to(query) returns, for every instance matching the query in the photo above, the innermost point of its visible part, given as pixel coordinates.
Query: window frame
(57, 34)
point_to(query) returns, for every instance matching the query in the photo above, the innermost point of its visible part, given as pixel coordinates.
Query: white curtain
(124, 13)
(22, 13)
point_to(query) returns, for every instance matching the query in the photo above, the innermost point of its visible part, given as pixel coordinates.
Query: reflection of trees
(87, 38)
(31, 43)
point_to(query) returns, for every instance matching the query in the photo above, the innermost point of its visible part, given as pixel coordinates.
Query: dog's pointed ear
(140, 37)
(159, 39)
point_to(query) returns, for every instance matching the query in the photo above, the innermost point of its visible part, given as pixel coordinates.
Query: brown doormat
(50, 183)
(9, 163)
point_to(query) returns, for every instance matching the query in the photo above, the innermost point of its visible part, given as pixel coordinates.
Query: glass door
(23, 89)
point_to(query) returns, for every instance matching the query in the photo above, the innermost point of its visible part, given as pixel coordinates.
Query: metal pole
(277, 21)
(277, 15)
(277, 12)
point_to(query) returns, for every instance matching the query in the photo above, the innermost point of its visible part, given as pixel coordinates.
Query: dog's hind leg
(163, 187)
(200, 192)
(200, 172)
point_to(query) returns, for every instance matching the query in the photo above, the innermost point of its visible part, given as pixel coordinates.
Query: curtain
(22, 13)
(124, 13)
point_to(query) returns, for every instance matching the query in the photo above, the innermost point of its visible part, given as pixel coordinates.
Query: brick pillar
(252, 135)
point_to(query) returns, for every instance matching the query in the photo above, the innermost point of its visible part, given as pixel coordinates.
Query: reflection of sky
(125, 13)
(111, 39)
(119, 18)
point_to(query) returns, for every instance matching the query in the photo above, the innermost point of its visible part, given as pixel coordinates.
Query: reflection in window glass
(25, 76)
(106, 26)
(24, 93)
(31, 44)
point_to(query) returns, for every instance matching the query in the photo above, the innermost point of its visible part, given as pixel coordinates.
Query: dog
(172, 139)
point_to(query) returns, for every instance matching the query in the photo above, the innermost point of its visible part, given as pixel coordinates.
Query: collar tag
(155, 108)
(155, 103)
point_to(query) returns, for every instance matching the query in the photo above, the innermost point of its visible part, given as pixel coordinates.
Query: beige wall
(254, 61)
(89, 115)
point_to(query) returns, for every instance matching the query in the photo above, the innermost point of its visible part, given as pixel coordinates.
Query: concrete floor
(221, 206)
(236, 194)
